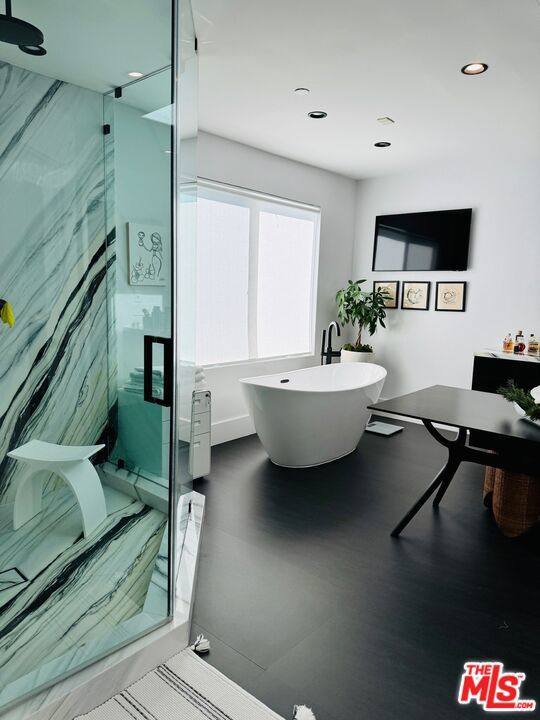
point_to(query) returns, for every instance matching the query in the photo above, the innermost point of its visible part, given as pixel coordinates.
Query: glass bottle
(508, 343)
(520, 346)
(533, 345)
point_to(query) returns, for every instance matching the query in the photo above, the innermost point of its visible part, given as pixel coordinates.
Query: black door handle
(149, 341)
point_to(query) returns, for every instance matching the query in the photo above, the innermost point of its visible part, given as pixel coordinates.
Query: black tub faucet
(326, 350)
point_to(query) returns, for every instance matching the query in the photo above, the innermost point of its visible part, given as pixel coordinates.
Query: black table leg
(449, 472)
(443, 478)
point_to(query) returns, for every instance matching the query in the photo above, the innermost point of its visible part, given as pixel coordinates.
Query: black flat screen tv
(422, 241)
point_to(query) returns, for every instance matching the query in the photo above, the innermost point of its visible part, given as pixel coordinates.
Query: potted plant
(366, 310)
(526, 403)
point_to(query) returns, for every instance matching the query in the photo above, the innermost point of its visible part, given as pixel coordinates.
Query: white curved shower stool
(72, 464)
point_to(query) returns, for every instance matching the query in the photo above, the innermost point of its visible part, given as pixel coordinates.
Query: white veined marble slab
(80, 692)
(79, 589)
(54, 363)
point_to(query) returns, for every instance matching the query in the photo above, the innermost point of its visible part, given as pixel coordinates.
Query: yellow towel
(6, 314)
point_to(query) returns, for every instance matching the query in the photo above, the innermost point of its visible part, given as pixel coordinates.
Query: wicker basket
(514, 499)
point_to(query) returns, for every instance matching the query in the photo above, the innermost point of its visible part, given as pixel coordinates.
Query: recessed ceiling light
(302, 91)
(383, 143)
(474, 68)
(317, 114)
(386, 120)
(135, 74)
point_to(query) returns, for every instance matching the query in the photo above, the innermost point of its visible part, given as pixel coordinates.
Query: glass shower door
(150, 158)
(139, 120)
(141, 311)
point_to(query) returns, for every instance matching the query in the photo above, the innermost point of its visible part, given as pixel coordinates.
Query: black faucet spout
(327, 353)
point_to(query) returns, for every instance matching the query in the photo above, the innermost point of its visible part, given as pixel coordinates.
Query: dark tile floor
(307, 599)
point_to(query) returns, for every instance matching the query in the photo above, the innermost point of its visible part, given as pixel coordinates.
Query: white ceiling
(363, 59)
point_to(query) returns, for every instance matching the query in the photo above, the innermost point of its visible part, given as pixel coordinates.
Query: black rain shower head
(28, 37)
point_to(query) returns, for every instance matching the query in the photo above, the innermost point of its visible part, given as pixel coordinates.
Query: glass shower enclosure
(102, 352)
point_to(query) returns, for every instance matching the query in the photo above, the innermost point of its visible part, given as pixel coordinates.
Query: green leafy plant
(522, 397)
(364, 309)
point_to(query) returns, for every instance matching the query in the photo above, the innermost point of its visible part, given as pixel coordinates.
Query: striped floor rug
(184, 688)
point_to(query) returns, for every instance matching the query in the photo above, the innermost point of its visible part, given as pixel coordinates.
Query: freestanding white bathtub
(313, 416)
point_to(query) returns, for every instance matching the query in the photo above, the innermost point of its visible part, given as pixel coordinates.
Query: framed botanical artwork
(392, 291)
(415, 295)
(450, 296)
(148, 254)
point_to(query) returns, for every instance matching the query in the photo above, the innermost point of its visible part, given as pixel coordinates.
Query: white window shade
(257, 275)
(222, 282)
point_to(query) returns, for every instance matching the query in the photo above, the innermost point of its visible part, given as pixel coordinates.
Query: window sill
(258, 361)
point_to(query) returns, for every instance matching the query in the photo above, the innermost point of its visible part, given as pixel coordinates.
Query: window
(257, 261)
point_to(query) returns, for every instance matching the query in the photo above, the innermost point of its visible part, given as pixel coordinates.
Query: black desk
(513, 443)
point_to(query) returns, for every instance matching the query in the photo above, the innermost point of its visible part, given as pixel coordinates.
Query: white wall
(237, 164)
(503, 294)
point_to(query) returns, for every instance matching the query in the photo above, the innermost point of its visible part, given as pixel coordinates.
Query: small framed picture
(451, 296)
(415, 295)
(392, 291)
(148, 255)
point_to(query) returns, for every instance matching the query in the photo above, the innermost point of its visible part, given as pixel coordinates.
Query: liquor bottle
(520, 346)
(533, 346)
(508, 343)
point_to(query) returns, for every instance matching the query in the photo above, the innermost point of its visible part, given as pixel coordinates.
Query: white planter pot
(352, 356)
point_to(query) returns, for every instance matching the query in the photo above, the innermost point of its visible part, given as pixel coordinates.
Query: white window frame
(255, 197)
